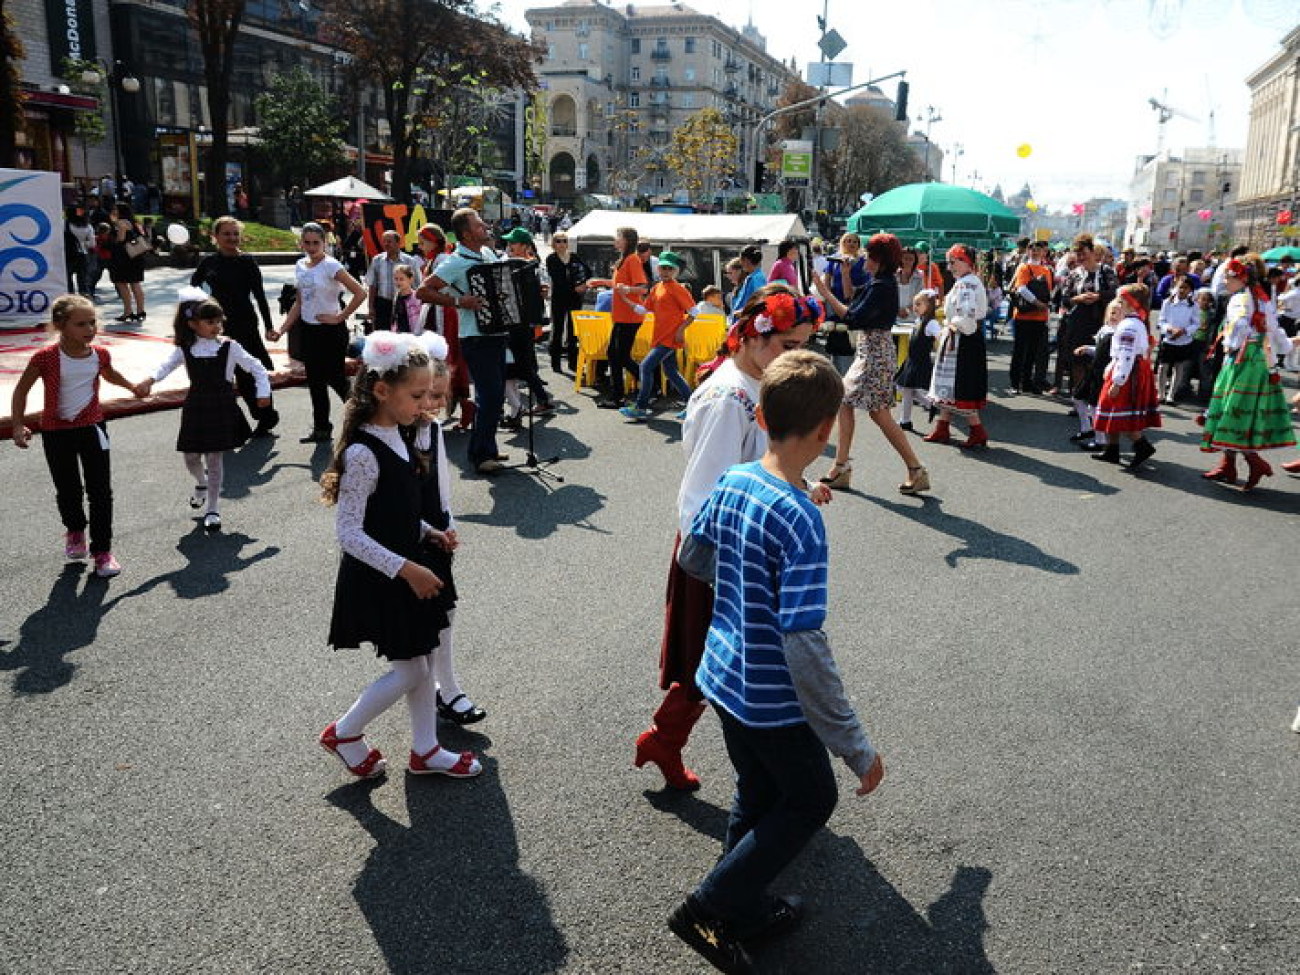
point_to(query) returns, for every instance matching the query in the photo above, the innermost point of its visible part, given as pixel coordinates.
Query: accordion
(500, 285)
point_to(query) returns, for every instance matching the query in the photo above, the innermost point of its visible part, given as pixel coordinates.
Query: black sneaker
(268, 422)
(783, 916)
(610, 403)
(318, 435)
(710, 937)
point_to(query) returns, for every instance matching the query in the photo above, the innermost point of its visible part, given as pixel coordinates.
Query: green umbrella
(940, 214)
(1277, 253)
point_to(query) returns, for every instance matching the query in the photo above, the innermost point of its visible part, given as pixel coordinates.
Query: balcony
(731, 91)
(661, 54)
(732, 66)
(659, 82)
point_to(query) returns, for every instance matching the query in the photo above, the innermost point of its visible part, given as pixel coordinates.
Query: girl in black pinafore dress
(425, 440)
(1087, 392)
(913, 378)
(388, 593)
(211, 420)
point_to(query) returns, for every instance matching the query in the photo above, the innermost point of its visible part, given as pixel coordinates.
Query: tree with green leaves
(300, 130)
(217, 24)
(11, 89)
(873, 156)
(702, 153)
(437, 64)
(90, 127)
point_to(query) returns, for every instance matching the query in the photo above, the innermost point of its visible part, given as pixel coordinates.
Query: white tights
(1084, 410)
(910, 396)
(211, 480)
(418, 680)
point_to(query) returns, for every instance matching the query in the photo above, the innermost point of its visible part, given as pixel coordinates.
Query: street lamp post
(958, 151)
(931, 116)
(114, 75)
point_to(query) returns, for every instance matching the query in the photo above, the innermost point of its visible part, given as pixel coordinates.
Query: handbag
(136, 246)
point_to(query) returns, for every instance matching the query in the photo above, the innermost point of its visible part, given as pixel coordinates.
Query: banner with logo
(32, 271)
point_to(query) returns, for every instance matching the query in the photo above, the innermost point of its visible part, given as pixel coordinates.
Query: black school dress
(1089, 387)
(434, 556)
(211, 419)
(917, 368)
(369, 607)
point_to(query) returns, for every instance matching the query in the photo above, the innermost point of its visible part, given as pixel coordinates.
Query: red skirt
(459, 374)
(1130, 408)
(687, 616)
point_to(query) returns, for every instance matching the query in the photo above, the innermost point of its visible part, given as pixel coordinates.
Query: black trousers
(564, 344)
(621, 341)
(383, 315)
(74, 456)
(324, 350)
(1029, 347)
(246, 334)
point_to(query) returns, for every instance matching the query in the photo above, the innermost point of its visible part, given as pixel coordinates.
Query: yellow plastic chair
(592, 329)
(703, 338)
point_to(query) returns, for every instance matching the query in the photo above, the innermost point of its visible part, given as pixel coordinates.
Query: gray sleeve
(821, 695)
(698, 559)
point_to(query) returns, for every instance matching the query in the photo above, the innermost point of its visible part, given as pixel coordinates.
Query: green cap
(518, 236)
(921, 247)
(669, 259)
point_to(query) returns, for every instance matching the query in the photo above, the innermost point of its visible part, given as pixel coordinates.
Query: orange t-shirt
(631, 272)
(670, 301)
(1023, 274)
(933, 278)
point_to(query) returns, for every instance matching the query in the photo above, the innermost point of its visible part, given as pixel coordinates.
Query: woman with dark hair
(784, 267)
(127, 272)
(751, 263)
(629, 285)
(911, 282)
(869, 384)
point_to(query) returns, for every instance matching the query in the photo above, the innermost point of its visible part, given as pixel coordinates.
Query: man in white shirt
(379, 279)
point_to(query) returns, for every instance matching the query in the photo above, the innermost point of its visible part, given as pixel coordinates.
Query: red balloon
(1283, 217)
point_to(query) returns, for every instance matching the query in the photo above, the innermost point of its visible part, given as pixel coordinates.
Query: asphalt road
(1081, 682)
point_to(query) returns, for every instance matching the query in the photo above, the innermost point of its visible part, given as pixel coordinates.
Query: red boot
(1259, 468)
(979, 437)
(1292, 466)
(663, 742)
(1225, 470)
(940, 433)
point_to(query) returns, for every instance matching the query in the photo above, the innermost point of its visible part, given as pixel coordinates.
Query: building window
(636, 45)
(550, 26)
(584, 51)
(688, 99)
(550, 51)
(717, 49)
(636, 73)
(689, 74)
(1198, 178)
(1196, 196)
(690, 45)
(634, 99)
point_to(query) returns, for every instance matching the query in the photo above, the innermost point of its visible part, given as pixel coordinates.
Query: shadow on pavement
(703, 817)
(446, 893)
(211, 558)
(68, 621)
(250, 467)
(537, 510)
(981, 542)
(858, 923)
(1049, 474)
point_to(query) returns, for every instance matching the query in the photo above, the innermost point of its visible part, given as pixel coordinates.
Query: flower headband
(386, 352)
(1236, 269)
(781, 312)
(191, 298)
(961, 252)
(434, 344)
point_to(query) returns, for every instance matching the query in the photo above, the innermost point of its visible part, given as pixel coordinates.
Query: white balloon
(178, 234)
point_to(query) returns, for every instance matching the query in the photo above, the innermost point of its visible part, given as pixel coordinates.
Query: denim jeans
(660, 355)
(785, 792)
(485, 357)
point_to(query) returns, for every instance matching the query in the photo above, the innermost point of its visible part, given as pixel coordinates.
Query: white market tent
(700, 229)
(348, 188)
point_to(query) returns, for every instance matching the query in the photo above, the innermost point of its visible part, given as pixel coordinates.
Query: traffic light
(760, 171)
(900, 110)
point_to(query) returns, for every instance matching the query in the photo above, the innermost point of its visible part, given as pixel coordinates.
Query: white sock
(512, 396)
(1084, 411)
(194, 464)
(216, 473)
(1100, 437)
(381, 695)
(907, 405)
(444, 669)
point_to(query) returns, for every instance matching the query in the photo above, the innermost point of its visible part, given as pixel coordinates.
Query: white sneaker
(199, 496)
(212, 521)
(1295, 725)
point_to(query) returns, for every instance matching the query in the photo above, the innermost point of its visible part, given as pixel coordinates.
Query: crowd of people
(1132, 336)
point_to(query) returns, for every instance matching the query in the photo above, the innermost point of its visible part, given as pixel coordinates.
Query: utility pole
(931, 116)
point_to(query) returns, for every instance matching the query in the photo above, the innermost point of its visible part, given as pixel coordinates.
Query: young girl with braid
(387, 594)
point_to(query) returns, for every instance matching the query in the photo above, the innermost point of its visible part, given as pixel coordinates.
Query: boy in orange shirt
(671, 303)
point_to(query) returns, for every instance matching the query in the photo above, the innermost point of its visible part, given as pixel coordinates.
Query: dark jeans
(660, 357)
(564, 344)
(485, 357)
(77, 280)
(1029, 346)
(71, 454)
(785, 793)
(621, 341)
(324, 349)
(381, 314)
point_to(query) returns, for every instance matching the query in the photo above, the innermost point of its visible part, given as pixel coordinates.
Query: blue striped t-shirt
(771, 580)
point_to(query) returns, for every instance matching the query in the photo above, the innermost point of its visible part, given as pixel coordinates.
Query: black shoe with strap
(711, 938)
(318, 435)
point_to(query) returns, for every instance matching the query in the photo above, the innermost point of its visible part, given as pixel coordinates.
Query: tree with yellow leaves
(703, 151)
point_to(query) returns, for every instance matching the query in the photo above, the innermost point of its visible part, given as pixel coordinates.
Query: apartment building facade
(1267, 213)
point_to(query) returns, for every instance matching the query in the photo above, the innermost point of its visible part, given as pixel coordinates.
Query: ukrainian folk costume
(960, 383)
(1128, 403)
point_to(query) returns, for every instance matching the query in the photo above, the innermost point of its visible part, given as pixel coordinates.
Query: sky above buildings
(1070, 79)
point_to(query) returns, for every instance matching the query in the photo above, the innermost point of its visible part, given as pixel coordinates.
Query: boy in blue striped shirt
(767, 666)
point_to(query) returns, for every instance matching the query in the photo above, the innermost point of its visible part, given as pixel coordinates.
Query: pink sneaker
(74, 546)
(106, 566)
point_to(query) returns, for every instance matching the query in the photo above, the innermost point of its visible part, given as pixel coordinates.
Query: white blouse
(1129, 344)
(1237, 329)
(966, 305)
(1177, 313)
(358, 483)
(425, 434)
(210, 349)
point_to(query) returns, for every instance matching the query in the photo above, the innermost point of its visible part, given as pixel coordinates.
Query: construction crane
(1164, 112)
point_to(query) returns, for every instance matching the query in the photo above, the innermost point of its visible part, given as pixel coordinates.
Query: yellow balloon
(1024, 150)
(1031, 206)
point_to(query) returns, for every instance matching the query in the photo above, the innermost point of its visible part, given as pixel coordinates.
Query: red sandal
(371, 767)
(466, 767)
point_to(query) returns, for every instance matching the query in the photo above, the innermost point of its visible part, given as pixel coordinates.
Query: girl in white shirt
(211, 420)
(1128, 403)
(387, 594)
(1179, 320)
